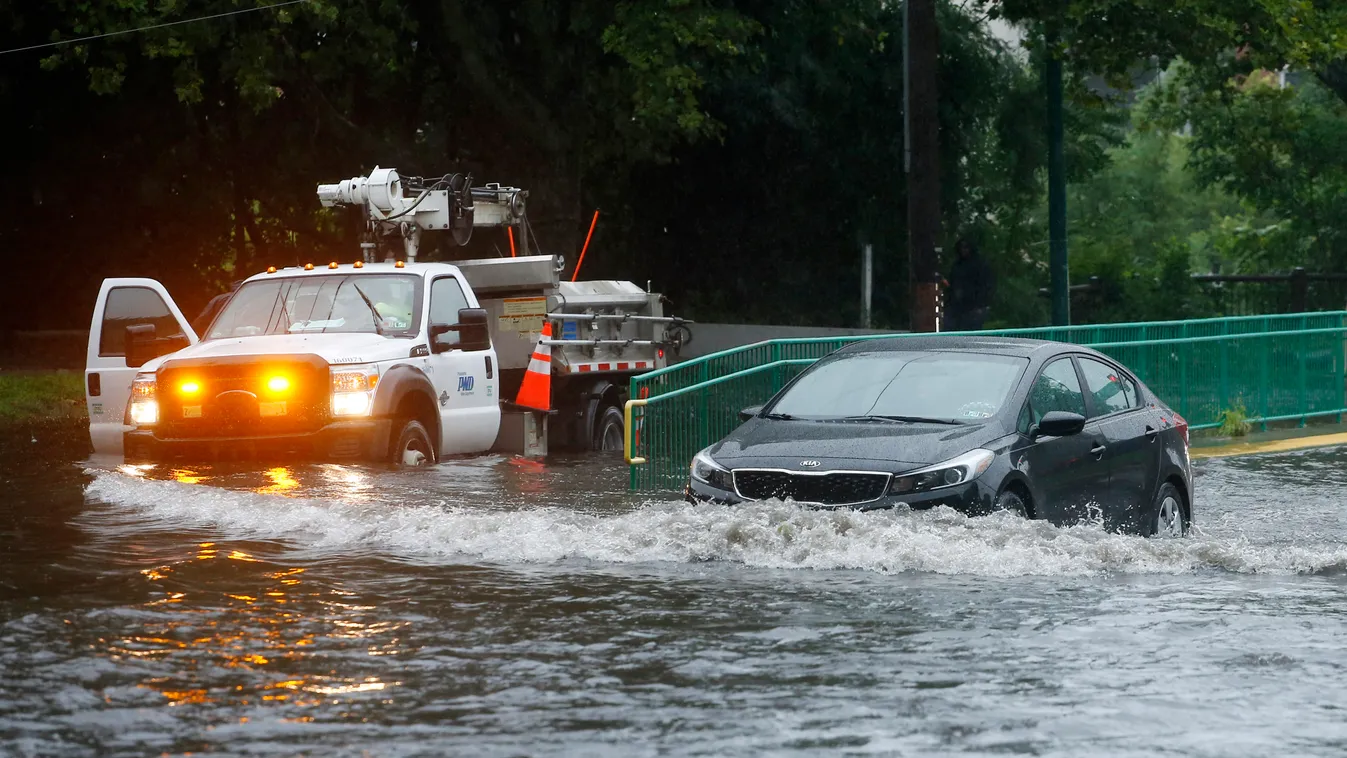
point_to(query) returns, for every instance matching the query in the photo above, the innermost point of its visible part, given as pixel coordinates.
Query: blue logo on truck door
(465, 383)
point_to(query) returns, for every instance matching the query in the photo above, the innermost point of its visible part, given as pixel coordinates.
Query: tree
(1282, 150)
(1222, 37)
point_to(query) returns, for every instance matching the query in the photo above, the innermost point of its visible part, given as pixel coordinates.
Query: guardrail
(1279, 368)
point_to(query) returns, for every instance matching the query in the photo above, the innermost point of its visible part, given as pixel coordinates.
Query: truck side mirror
(471, 332)
(140, 345)
(750, 412)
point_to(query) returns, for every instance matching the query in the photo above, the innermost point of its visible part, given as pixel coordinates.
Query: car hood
(845, 444)
(333, 348)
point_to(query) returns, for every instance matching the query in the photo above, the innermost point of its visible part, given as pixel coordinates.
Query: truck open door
(134, 321)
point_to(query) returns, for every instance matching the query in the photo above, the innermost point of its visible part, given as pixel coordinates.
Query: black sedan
(980, 424)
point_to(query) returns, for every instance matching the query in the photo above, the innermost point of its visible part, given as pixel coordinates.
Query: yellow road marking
(1271, 446)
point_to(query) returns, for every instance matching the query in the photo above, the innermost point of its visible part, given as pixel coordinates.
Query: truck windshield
(375, 303)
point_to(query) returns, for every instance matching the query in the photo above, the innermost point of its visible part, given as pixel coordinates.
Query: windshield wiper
(906, 419)
(779, 416)
(378, 319)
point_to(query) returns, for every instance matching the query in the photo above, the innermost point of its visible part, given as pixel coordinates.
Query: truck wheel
(412, 447)
(609, 431)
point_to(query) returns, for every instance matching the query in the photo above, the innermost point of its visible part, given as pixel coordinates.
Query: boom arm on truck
(449, 203)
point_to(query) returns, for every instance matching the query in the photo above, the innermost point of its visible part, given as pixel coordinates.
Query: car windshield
(957, 387)
(373, 303)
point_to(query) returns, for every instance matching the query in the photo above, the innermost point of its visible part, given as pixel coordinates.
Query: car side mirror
(470, 330)
(142, 345)
(1059, 424)
(750, 412)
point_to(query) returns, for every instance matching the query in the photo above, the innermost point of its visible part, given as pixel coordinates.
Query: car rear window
(953, 386)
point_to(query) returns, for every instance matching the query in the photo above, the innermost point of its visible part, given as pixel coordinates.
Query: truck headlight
(709, 472)
(955, 471)
(353, 391)
(144, 401)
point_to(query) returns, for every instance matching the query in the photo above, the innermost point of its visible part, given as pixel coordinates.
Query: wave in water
(770, 535)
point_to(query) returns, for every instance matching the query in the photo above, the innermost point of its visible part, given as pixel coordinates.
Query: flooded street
(496, 607)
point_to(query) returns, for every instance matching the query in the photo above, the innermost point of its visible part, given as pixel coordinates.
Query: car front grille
(833, 488)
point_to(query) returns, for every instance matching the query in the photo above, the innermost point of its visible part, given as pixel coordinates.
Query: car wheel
(1009, 500)
(609, 431)
(412, 447)
(1167, 516)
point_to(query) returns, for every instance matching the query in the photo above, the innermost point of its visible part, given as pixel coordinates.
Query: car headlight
(711, 473)
(144, 409)
(353, 391)
(955, 471)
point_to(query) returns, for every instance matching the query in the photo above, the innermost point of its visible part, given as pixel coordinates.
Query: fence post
(1300, 290)
(1183, 373)
(1304, 371)
(1263, 379)
(1225, 373)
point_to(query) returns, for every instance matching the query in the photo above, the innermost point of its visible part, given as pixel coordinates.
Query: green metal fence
(1277, 367)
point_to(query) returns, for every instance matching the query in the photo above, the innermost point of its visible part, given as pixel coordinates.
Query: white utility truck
(382, 359)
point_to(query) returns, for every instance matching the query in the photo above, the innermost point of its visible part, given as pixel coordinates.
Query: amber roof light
(308, 266)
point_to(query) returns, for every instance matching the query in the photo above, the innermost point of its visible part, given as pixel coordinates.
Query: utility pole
(1057, 252)
(921, 46)
(867, 283)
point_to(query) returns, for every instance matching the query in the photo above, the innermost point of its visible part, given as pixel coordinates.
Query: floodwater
(497, 607)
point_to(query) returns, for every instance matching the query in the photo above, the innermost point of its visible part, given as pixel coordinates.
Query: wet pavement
(498, 607)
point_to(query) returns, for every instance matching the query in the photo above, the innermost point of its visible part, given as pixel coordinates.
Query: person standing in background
(970, 290)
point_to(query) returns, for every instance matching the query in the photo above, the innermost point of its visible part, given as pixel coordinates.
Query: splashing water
(768, 535)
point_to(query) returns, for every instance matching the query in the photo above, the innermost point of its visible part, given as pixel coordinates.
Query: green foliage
(1112, 37)
(667, 46)
(1281, 150)
(28, 397)
(1235, 421)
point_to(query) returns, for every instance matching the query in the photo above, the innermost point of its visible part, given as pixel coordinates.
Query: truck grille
(837, 488)
(233, 399)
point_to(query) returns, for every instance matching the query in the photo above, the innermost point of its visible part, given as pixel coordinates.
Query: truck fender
(396, 385)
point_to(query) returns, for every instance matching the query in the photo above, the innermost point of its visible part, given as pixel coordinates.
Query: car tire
(609, 431)
(1010, 500)
(412, 447)
(1167, 516)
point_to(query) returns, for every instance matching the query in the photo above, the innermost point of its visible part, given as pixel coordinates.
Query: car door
(107, 376)
(468, 381)
(1132, 435)
(1067, 474)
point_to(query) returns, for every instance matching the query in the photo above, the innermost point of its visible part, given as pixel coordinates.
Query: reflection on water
(505, 607)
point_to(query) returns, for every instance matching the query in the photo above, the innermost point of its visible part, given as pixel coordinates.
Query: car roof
(961, 343)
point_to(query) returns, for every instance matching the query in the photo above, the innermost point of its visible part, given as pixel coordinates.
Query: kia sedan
(980, 424)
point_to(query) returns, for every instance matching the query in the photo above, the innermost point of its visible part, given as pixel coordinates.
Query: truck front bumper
(361, 439)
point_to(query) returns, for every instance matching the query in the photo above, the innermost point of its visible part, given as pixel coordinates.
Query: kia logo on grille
(810, 464)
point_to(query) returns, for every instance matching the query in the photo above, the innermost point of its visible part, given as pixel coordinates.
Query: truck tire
(411, 447)
(609, 431)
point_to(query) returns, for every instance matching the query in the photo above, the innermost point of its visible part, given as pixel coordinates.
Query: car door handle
(1151, 432)
(1098, 450)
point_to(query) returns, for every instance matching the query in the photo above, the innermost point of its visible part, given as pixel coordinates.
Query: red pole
(510, 231)
(581, 262)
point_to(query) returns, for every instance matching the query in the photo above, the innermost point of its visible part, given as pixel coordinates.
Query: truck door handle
(1098, 450)
(1151, 432)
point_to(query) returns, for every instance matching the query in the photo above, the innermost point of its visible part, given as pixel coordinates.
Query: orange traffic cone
(536, 391)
